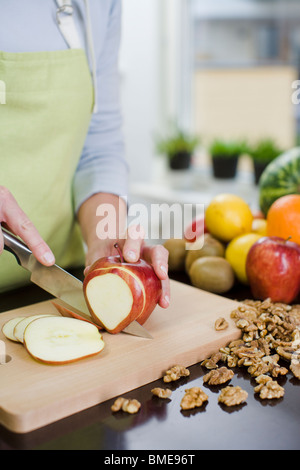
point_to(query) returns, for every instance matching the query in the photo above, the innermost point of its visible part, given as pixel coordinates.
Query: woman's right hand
(13, 217)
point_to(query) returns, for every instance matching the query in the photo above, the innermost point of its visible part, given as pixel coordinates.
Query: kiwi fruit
(212, 273)
(209, 246)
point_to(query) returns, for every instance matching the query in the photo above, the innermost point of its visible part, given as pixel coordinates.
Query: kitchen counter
(160, 424)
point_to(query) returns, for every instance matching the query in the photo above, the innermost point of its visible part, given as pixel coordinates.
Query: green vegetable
(281, 177)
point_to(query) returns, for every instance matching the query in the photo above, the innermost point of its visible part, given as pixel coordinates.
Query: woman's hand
(15, 220)
(133, 247)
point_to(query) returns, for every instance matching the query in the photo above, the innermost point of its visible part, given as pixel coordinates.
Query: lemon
(228, 216)
(236, 254)
(259, 226)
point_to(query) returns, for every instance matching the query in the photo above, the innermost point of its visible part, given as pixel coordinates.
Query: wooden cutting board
(33, 395)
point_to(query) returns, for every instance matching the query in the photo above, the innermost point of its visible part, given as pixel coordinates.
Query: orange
(283, 219)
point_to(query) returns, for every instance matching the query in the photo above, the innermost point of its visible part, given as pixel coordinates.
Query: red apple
(117, 292)
(273, 269)
(195, 229)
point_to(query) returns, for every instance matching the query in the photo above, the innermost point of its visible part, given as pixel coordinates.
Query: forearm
(102, 218)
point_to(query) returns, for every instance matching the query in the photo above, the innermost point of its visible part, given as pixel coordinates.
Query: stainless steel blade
(136, 329)
(60, 284)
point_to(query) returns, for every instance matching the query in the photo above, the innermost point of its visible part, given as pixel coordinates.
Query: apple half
(117, 292)
(60, 340)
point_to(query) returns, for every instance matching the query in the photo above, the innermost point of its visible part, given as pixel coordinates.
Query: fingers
(157, 255)
(21, 225)
(133, 243)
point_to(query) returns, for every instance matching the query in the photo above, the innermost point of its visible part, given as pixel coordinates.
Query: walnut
(162, 392)
(242, 323)
(232, 361)
(295, 368)
(211, 363)
(295, 362)
(258, 368)
(285, 352)
(268, 388)
(276, 370)
(194, 397)
(221, 324)
(218, 376)
(175, 373)
(128, 405)
(231, 396)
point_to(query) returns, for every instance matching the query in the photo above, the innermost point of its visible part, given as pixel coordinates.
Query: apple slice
(73, 313)
(21, 325)
(9, 326)
(61, 340)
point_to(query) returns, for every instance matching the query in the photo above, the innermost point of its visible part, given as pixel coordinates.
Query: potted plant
(262, 154)
(178, 147)
(225, 155)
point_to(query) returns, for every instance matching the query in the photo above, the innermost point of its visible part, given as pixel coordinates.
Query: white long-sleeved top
(30, 26)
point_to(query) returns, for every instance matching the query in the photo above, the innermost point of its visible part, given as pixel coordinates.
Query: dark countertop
(160, 424)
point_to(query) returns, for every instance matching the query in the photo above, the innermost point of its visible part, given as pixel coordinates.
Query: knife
(57, 281)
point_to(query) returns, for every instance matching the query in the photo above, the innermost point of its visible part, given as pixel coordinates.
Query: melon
(280, 177)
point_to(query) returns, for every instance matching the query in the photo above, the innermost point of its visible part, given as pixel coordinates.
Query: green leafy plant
(264, 151)
(227, 148)
(177, 142)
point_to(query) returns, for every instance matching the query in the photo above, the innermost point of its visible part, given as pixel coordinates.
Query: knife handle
(15, 246)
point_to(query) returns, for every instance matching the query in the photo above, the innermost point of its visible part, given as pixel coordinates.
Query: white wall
(149, 62)
(140, 83)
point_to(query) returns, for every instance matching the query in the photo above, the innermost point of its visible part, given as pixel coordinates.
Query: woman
(61, 145)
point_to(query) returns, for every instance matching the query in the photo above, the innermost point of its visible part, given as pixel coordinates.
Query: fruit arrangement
(231, 245)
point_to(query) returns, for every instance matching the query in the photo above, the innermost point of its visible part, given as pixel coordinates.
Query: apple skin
(146, 290)
(195, 229)
(273, 269)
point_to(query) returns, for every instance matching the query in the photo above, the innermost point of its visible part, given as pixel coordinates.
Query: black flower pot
(224, 167)
(259, 168)
(180, 161)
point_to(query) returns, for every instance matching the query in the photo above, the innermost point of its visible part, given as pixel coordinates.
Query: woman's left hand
(133, 248)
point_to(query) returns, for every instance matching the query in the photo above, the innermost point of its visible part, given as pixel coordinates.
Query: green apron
(43, 126)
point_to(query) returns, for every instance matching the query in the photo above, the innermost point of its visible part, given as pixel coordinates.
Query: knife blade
(57, 281)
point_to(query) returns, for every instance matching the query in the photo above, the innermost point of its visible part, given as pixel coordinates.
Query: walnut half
(221, 324)
(194, 397)
(218, 376)
(127, 405)
(175, 373)
(268, 388)
(231, 396)
(162, 392)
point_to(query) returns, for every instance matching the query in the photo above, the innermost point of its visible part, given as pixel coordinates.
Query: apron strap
(65, 21)
(66, 24)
